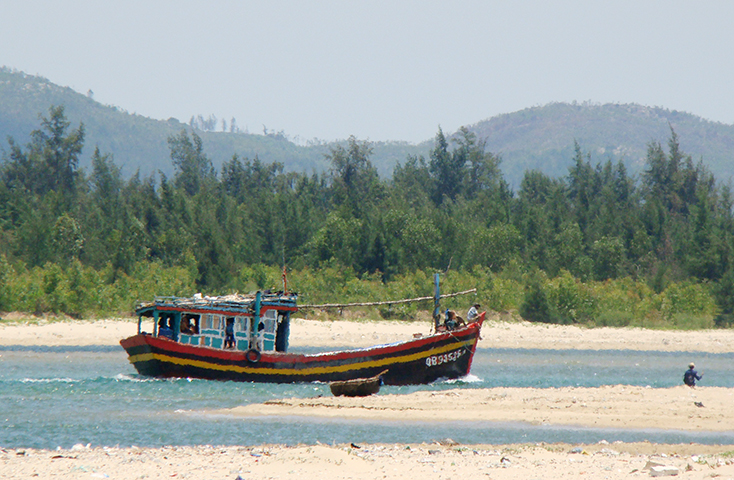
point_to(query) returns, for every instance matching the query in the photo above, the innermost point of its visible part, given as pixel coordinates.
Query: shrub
(572, 301)
(614, 319)
(6, 275)
(535, 306)
(724, 320)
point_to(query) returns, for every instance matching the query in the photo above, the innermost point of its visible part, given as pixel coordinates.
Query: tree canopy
(453, 210)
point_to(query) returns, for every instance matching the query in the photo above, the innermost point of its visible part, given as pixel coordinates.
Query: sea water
(62, 396)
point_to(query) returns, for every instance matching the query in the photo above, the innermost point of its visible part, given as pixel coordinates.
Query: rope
(387, 302)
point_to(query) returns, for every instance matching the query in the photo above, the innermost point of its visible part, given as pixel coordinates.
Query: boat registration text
(434, 360)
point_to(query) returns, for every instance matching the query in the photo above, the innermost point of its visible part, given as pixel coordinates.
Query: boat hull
(356, 388)
(418, 361)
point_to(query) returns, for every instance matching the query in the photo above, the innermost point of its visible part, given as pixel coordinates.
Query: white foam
(466, 379)
(48, 380)
(121, 377)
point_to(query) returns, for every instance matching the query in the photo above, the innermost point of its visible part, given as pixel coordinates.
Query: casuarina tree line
(557, 249)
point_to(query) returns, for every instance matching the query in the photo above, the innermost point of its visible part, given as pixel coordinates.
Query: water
(62, 396)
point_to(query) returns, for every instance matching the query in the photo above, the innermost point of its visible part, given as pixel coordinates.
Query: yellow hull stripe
(146, 357)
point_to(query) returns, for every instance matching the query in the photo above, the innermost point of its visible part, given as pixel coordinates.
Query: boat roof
(227, 304)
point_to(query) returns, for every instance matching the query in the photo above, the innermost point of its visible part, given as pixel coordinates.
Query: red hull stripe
(179, 349)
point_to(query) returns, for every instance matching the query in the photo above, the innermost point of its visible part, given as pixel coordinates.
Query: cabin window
(240, 324)
(190, 324)
(212, 322)
(165, 320)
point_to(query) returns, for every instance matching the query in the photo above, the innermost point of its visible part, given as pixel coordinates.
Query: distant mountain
(542, 138)
(538, 138)
(136, 142)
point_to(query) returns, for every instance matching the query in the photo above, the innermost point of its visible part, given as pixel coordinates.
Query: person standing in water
(691, 375)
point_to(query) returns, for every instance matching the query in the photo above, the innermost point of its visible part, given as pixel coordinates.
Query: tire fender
(253, 355)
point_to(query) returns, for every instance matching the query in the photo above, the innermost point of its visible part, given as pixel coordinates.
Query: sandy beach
(677, 408)
(425, 461)
(498, 332)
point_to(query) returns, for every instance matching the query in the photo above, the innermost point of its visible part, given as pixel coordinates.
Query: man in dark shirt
(229, 333)
(691, 375)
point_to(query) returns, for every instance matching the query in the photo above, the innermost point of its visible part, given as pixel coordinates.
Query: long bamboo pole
(388, 302)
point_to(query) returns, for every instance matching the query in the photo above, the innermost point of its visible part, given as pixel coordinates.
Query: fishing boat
(245, 338)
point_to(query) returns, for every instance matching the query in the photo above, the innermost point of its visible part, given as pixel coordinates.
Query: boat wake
(465, 379)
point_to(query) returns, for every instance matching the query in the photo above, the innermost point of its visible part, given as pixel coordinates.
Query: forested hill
(542, 138)
(538, 138)
(138, 142)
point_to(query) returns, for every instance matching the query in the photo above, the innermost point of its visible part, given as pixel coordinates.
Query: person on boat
(164, 327)
(691, 375)
(229, 334)
(473, 313)
(186, 325)
(448, 320)
(452, 320)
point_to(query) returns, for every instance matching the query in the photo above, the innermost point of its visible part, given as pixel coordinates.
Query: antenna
(285, 277)
(436, 300)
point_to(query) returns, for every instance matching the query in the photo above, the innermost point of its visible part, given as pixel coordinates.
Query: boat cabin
(259, 321)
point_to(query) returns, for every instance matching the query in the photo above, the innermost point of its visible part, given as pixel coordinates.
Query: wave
(49, 380)
(124, 377)
(465, 379)
(120, 377)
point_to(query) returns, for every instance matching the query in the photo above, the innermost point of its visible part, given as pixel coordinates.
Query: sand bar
(496, 333)
(619, 406)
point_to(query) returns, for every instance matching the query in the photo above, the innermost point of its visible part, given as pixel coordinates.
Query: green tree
(724, 295)
(539, 214)
(60, 149)
(608, 253)
(670, 179)
(66, 239)
(52, 158)
(494, 247)
(193, 168)
(483, 168)
(355, 181)
(582, 187)
(568, 251)
(447, 170)
(337, 239)
(535, 306)
(6, 275)
(107, 184)
(411, 184)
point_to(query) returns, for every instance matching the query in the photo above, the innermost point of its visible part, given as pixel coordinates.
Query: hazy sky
(379, 70)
